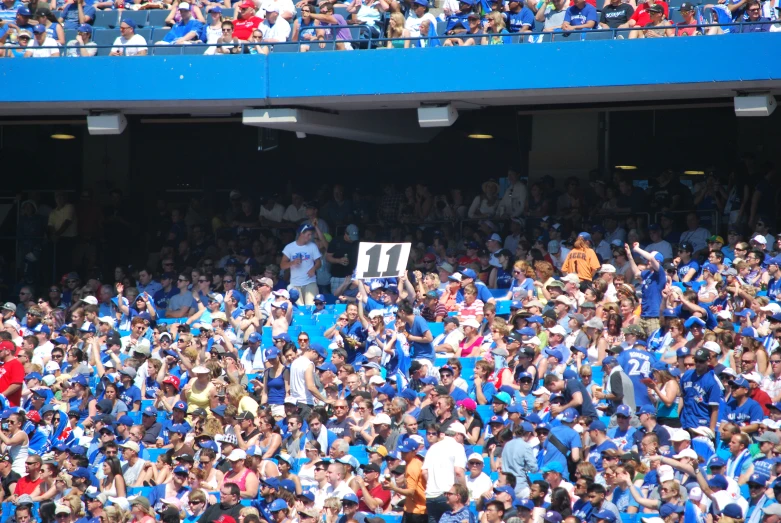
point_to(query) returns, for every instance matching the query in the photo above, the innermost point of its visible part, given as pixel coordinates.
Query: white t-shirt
(295, 215)
(276, 212)
(279, 32)
(282, 5)
(412, 23)
(74, 49)
(38, 51)
(133, 40)
(478, 485)
(441, 460)
(307, 254)
(298, 388)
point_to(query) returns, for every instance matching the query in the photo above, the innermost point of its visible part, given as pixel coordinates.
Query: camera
(248, 285)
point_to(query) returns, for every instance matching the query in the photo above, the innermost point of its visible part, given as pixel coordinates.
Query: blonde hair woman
(115, 514)
(396, 30)
(522, 287)
(237, 395)
(497, 30)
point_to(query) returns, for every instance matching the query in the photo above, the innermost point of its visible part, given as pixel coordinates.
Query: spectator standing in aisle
(302, 257)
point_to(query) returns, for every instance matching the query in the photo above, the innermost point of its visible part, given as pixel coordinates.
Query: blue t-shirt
(653, 284)
(161, 298)
(577, 16)
(595, 454)
(637, 365)
(519, 20)
(420, 350)
(483, 294)
(684, 269)
(458, 21)
(623, 499)
(129, 395)
(623, 440)
(699, 394)
(746, 414)
(774, 288)
(569, 438)
(180, 29)
(70, 15)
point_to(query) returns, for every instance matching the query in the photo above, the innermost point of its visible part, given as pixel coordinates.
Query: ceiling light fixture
(62, 136)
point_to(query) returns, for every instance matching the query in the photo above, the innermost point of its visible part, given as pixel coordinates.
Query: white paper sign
(381, 260)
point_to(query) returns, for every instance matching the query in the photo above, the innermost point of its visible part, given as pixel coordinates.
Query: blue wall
(729, 58)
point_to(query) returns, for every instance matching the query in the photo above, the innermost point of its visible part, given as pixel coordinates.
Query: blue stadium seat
(498, 293)
(575, 36)
(598, 35)
(389, 518)
(597, 374)
(107, 19)
(229, 12)
(146, 33)
(675, 16)
(441, 26)
(147, 403)
(105, 37)
(503, 306)
(155, 453)
(359, 452)
(436, 328)
(142, 491)
(136, 417)
(141, 17)
(198, 49)
(485, 412)
(159, 33)
(157, 18)
(70, 34)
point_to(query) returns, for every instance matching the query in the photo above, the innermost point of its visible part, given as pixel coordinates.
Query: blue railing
(330, 41)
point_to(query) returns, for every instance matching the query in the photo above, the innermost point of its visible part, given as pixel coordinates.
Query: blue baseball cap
(60, 340)
(597, 425)
(326, 366)
(254, 338)
(219, 410)
(515, 304)
(80, 472)
(659, 365)
(271, 353)
(759, 479)
(515, 408)
(387, 390)
(41, 327)
(277, 505)
(733, 511)
(288, 485)
(718, 481)
(745, 312)
(694, 320)
(553, 466)
(80, 380)
(554, 353)
(552, 516)
(569, 374)
(319, 298)
(682, 352)
(282, 336)
(506, 489)
(23, 11)
(181, 470)
(670, 508)
(318, 349)
(468, 273)
(125, 420)
(271, 483)
(350, 498)
(428, 380)
(527, 427)
(610, 360)
(533, 418)
(569, 415)
(607, 515)
(308, 494)
(524, 503)
(249, 307)
(149, 411)
(749, 332)
(180, 405)
(33, 376)
(209, 444)
(624, 410)
(60, 447)
(711, 268)
(716, 462)
(497, 419)
(586, 236)
(502, 397)
(408, 445)
(78, 450)
(178, 428)
(527, 331)
(669, 313)
(304, 227)
(645, 409)
(740, 381)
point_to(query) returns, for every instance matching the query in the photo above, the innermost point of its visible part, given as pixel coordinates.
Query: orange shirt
(415, 504)
(583, 262)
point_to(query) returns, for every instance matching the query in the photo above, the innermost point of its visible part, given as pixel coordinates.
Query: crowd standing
(560, 361)
(38, 28)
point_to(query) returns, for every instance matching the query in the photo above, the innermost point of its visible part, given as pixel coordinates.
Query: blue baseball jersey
(637, 365)
(699, 394)
(653, 284)
(746, 414)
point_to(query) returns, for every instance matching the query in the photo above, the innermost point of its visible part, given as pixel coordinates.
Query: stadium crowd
(40, 29)
(549, 355)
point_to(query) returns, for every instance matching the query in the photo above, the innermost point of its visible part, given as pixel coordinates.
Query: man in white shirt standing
(444, 466)
(302, 257)
(302, 380)
(513, 202)
(42, 46)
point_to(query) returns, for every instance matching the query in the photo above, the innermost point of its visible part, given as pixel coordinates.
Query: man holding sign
(302, 257)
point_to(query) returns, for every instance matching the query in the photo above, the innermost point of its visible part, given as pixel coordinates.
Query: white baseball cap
(686, 453)
(456, 427)
(606, 267)
(681, 435)
(382, 419)
(712, 346)
(90, 300)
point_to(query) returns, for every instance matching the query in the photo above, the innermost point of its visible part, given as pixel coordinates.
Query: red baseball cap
(245, 5)
(225, 519)
(7, 345)
(34, 416)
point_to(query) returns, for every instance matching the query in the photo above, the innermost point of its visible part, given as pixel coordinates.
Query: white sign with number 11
(381, 260)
